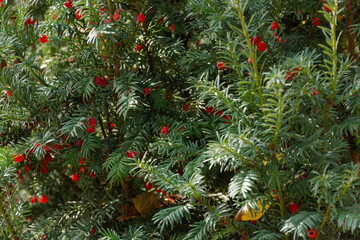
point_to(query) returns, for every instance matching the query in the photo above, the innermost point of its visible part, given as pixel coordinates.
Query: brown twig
(349, 29)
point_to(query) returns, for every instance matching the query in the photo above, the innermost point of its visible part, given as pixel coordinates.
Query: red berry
(227, 118)
(255, 41)
(43, 199)
(312, 233)
(18, 158)
(148, 185)
(138, 47)
(250, 60)
(44, 169)
(141, 18)
(186, 107)
(78, 14)
(8, 94)
(221, 65)
(92, 121)
(44, 39)
(116, 16)
(57, 147)
(165, 130)
(327, 8)
(81, 161)
(99, 81)
(102, 11)
(79, 142)
(210, 109)
(131, 154)
(172, 28)
(30, 21)
(82, 170)
(316, 21)
(91, 174)
(146, 91)
(161, 20)
(261, 47)
(68, 4)
(274, 26)
(302, 177)
(91, 129)
(33, 200)
(112, 125)
(92, 231)
(293, 207)
(28, 168)
(75, 177)
(314, 92)
(280, 40)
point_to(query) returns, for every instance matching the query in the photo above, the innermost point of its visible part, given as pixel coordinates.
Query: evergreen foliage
(179, 119)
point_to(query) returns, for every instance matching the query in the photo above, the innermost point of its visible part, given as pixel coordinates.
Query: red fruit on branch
(78, 14)
(327, 8)
(131, 154)
(148, 185)
(280, 40)
(172, 28)
(82, 170)
(112, 125)
(165, 130)
(312, 233)
(141, 18)
(116, 16)
(28, 168)
(146, 91)
(33, 200)
(314, 92)
(255, 40)
(18, 158)
(44, 39)
(139, 47)
(81, 161)
(274, 26)
(75, 177)
(43, 199)
(261, 47)
(98, 81)
(91, 174)
(91, 129)
(79, 142)
(68, 4)
(221, 65)
(8, 94)
(293, 207)
(92, 121)
(316, 21)
(210, 109)
(44, 169)
(186, 107)
(161, 20)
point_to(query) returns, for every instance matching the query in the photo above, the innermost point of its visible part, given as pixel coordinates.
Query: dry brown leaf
(146, 203)
(128, 212)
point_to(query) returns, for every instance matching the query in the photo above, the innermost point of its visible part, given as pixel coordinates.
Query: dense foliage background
(179, 119)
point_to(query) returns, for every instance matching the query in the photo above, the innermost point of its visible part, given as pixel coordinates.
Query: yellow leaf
(248, 214)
